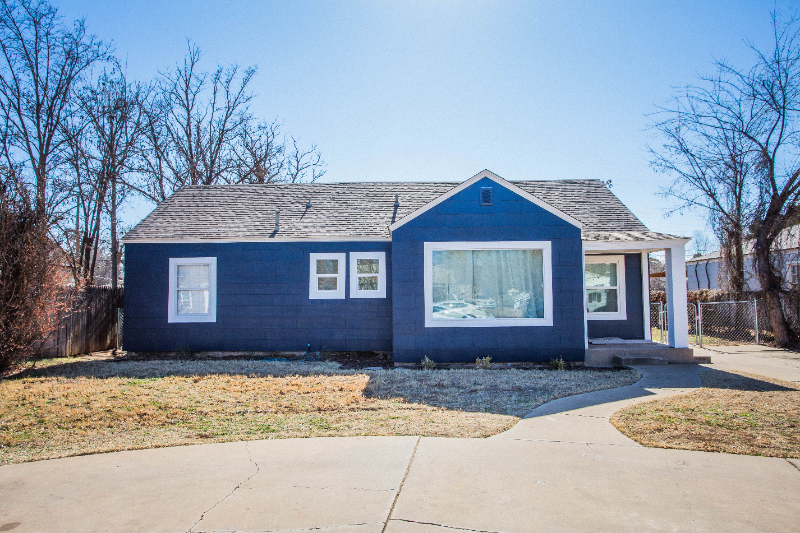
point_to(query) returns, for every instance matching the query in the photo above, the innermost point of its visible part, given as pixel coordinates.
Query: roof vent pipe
(396, 201)
(277, 219)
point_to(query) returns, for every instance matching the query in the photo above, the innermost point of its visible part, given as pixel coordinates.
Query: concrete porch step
(604, 354)
(628, 360)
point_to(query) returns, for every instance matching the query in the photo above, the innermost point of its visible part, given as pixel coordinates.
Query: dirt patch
(732, 413)
(85, 407)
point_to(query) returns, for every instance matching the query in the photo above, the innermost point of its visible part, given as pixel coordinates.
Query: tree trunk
(114, 259)
(771, 285)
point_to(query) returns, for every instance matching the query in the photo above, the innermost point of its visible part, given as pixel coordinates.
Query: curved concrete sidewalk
(563, 468)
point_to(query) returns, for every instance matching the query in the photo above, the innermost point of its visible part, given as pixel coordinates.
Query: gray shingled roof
(361, 210)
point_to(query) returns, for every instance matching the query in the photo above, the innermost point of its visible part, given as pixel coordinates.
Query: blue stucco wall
(633, 327)
(510, 218)
(262, 301)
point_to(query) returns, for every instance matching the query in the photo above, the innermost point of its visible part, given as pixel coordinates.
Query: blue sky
(410, 90)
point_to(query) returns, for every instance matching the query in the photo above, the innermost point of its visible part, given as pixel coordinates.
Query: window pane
(602, 301)
(327, 266)
(327, 283)
(368, 283)
(601, 275)
(367, 266)
(193, 276)
(488, 284)
(192, 302)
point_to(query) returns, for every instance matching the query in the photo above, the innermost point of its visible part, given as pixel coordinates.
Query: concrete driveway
(563, 468)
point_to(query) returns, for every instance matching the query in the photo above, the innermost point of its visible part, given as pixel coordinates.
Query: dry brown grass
(73, 408)
(732, 413)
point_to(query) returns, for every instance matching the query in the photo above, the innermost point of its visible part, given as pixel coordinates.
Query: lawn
(70, 408)
(732, 413)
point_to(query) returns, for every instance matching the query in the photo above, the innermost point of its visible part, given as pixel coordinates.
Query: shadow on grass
(718, 379)
(513, 392)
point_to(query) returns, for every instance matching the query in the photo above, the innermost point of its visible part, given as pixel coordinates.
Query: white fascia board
(262, 239)
(500, 181)
(632, 246)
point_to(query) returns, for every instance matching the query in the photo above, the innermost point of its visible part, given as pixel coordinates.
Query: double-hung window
(192, 289)
(367, 274)
(605, 287)
(326, 280)
(488, 284)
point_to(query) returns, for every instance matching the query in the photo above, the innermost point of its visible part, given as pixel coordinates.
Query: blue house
(519, 271)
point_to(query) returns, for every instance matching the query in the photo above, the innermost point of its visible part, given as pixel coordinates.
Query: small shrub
(483, 363)
(558, 364)
(184, 352)
(427, 363)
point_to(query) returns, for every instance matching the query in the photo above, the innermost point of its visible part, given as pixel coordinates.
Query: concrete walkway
(563, 468)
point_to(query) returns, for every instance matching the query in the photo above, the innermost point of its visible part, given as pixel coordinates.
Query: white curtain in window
(192, 285)
(488, 284)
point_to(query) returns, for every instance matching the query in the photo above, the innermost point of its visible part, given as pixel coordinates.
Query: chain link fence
(734, 322)
(659, 325)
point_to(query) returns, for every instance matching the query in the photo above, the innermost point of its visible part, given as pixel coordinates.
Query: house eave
(632, 246)
(178, 240)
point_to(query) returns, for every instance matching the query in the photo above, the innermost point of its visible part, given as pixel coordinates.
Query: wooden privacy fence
(92, 326)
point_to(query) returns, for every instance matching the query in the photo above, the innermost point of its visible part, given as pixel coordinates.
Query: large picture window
(192, 289)
(605, 287)
(485, 284)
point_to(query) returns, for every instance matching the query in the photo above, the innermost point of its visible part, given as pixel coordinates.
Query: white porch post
(677, 315)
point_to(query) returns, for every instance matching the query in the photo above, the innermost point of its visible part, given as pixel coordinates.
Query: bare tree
(196, 118)
(102, 138)
(755, 111)
(201, 132)
(712, 165)
(41, 61)
(265, 157)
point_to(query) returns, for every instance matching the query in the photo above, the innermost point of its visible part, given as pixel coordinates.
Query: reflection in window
(367, 271)
(605, 277)
(192, 286)
(327, 274)
(488, 284)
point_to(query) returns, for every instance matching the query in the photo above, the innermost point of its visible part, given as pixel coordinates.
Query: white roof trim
(637, 246)
(178, 240)
(500, 181)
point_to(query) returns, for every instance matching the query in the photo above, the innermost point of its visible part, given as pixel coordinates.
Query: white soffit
(633, 246)
(500, 181)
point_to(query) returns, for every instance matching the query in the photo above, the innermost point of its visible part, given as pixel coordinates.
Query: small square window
(326, 280)
(367, 274)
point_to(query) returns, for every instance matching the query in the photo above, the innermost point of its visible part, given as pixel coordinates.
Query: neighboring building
(522, 271)
(704, 272)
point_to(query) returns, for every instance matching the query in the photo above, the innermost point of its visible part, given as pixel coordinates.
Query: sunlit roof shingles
(363, 210)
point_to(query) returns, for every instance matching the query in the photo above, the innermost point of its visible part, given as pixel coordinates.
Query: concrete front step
(629, 360)
(604, 354)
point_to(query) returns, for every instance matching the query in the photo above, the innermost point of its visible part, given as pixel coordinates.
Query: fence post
(700, 322)
(755, 315)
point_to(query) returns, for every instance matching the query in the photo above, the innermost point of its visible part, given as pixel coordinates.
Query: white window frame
(619, 260)
(313, 292)
(355, 292)
(172, 309)
(547, 274)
